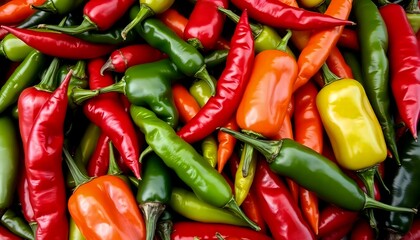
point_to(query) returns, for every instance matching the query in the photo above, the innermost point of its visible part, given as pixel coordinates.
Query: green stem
(144, 12)
(85, 26)
(328, 76)
(49, 81)
(118, 87)
(113, 168)
(146, 151)
(284, 41)
(367, 176)
(79, 95)
(48, 6)
(79, 69)
(195, 43)
(372, 203)
(233, 207)
(204, 75)
(247, 156)
(255, 28)
(78, 176)
(151, 213)
(381, 181)
(165, 225)
(412, 7)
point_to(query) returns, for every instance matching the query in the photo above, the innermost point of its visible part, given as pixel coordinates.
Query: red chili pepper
(226, 144)
(24, 197)
(107, 112)
(404, 56)
(59, 44)
(414, 232)
(5, 234)
(183, 230)
(44, 168)
(339, 233)
(16, 11)
(362, 231)
(337, 64)
(230, 87)
(98, 15)
(131, 55)
(349, 39)
(280, 15)
(280, 211)
(205, 23)
(332, 218)
(99, 161)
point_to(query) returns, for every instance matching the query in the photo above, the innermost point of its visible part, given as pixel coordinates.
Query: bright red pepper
(98, 15)
(280, 211)
(362, 231)
(230, 87)
(333, 218)
(339, 233)
(107, 111)
(43, 158)
(349, 39)
(192, 230)
(131, 55)
(404, 56)
(99, 161)
(59, 44)
(205, 23)
(280, 15)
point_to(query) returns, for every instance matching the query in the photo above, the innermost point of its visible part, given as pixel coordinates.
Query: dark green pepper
(405, 185)
(23, 76)
(110, 36)
(79, 77)
(187, 58)
(9, 152)
(215, 58)
(373, 41)
(204, 180)
(154, 191)
(14, 49)
(17, 224)
(314, 172)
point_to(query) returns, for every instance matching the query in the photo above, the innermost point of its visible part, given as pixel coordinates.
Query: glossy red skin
(108, 112)
(280, 15)
(339, 233)
(404, 55)
(362, 231)
(60, 45)
(349, 39)
(278, 206)
(5, 234)
(230, 87)
(43, 161)
(131, 55)
(189, 230)
(206, 22)
(99, 161)
(105, 13)
(332, 218)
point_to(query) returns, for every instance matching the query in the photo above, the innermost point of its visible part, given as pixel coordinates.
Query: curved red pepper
(362, 231)
(131, 55)
(339, 233)
(349, 39)
(192, 230)
(205, 23)
(43, 160)
(107, 112)
(59, 44)
(404, 56)
(99, 161)
(280, 15)
(332, 218)
(280, 211)
(230, 87)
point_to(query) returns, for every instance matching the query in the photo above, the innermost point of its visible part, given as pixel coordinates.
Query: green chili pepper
(216, 58)
(60, 7)
(187, 204)
(74, 232)
(110, 36)
(165, 225)
(17, 224)
(188, 164)
(23, 76)
(314, 172)
(154, 191)
(9, 152)
(14, 49)
(373, 39)
(201, 91)
(79, 78)
(405, 185)
(188, 59)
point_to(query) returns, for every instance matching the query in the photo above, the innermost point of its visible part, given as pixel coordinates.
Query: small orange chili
(15, 11)
(226, 144)
(185, 103)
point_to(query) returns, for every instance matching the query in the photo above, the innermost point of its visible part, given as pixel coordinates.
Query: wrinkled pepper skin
(351, 125)
(9, 162)
(105, 208)
(405, 185)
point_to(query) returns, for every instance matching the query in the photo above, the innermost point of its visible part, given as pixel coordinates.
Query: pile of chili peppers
(209, 119)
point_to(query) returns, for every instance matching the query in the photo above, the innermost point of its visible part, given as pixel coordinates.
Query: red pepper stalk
(404, 55)
(59, 44)
(107, 111)
(205, 23)
(98, 15)
(230, 87)
(43, 160)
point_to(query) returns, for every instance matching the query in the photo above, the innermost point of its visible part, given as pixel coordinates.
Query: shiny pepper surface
(351, 124)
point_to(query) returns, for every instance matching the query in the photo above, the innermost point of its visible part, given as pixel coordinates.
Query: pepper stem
(144, 12)
(233, 207)
(78, 176)
(49, 81)
(195, 43)
(412, 7)
(372, 203)
(328, 76)
(47, 6)
(108, 66)
(79, 69)
(85, 25)
(367, 177)
(269, 148)
(146, 151)
(247, 156)
(256, 29)
(116, 87)
(165, 225)
(205, 76)
(151, 213)
(381, 181)
(79, 95)
(113, 168)
(284, 41)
